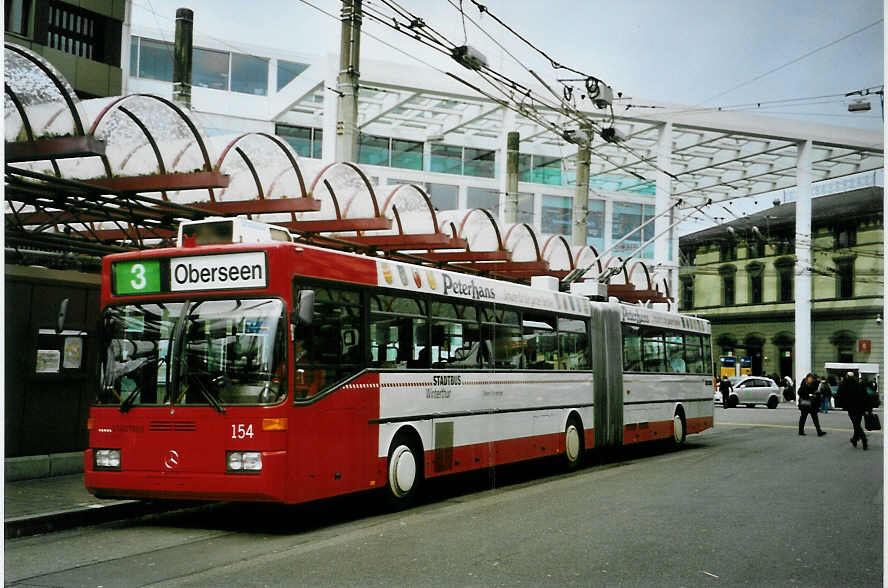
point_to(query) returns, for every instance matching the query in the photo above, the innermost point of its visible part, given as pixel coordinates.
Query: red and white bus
(284, 372)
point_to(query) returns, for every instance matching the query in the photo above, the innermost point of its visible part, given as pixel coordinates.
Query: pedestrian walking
(808, 404)
(788, 393)
(825, 396)
(725, 387)
(854, 400)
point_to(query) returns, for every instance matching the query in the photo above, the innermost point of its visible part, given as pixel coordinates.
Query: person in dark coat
(854, 400)
(825, 394)
(725, 387)
(809, 404)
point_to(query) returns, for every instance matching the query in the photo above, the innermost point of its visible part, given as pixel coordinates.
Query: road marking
(788, 427)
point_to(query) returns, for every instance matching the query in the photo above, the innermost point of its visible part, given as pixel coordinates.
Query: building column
(802, 280)
(664, 245)
(507, 169)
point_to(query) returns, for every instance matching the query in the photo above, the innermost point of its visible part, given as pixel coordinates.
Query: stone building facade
(739, 275)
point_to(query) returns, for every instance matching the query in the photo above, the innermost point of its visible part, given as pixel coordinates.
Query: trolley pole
(182, 57)
(347, 83)
(510, 206)
(580, 226)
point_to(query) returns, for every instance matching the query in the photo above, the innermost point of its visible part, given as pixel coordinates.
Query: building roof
(852, 204)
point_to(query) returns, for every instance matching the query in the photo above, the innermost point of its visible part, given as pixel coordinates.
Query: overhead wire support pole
(347, 82)
(577, 273)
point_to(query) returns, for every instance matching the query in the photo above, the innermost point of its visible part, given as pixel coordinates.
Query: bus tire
(573, 443)
(405, 471)
(679, 428)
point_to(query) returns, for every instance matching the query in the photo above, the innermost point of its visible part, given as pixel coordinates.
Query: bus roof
(863, 368)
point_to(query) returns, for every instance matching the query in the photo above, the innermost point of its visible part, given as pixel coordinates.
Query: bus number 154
(241, 431)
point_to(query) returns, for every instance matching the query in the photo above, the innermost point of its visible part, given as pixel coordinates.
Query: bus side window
(573, 343)
(675, 361)
(631, 348)
(694, 354)
(654, 357)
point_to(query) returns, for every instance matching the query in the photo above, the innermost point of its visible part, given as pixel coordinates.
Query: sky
(689, 52)
(805, 54)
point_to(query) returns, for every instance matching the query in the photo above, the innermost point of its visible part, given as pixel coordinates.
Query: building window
(479, 162)
(728, 251)
(17, 12)
(155, 60)
(483, 198)
(556, 215)
(443, 196)
(446, 159)
(249, 74)
(845, 236)
(754, 274)
(845, 278)
(210, 69)
(783, 246)
(755, 248)
(306, 142)
(407, 154)
(688, 255)
(389, 152)
(784, 279)
(134, 56)
(75, 31)
(373, 150)
(595, 222)
(628, 216)
(539, 169)
(687, 293)
(525, 208)
(728, 290)
(287, 72)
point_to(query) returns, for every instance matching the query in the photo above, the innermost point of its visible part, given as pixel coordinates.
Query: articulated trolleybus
(276, 371)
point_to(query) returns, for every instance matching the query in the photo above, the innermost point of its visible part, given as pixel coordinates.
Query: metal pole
(510, 205)
(347, 83)
(580, 226)
(182, 57)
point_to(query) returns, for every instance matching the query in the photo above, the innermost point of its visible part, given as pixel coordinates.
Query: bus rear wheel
(573, 444)
(679, 434)
(405, 471)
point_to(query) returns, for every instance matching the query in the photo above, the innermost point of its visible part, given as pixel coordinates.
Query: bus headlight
(243, 461)
(106, 459)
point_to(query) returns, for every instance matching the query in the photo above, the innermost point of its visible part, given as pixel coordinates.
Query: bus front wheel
(405, 471)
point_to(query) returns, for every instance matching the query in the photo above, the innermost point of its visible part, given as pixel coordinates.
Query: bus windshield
(214, 352)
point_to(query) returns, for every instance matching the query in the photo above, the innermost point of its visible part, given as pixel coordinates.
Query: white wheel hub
(402, 471)
(572, 443)
(677, 428)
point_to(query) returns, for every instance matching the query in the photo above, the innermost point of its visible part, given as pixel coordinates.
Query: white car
(751, 390)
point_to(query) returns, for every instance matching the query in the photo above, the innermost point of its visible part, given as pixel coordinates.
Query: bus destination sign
(193, 273)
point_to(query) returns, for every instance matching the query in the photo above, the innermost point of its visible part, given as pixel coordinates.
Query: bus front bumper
(268, 485)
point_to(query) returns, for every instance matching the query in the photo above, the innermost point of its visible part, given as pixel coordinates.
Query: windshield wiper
(127, 403)
(214, 402)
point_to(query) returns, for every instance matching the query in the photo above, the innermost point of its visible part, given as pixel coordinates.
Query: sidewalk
(51, 504)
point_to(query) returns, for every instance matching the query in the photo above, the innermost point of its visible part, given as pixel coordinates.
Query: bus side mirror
(304, 311)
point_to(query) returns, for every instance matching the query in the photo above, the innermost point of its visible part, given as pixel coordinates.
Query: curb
(59, 520)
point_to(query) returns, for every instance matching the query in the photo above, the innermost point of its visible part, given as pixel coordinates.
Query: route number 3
(138, 270)
(241, 431)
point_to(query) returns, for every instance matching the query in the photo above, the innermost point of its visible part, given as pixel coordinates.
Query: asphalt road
(748, 503)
